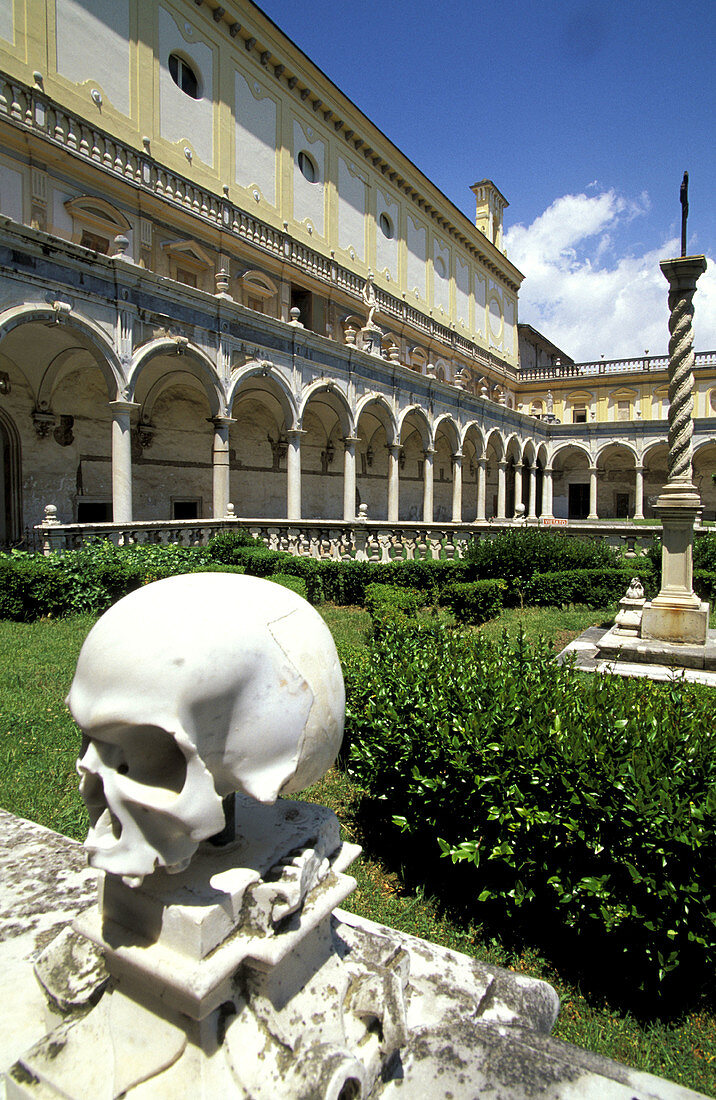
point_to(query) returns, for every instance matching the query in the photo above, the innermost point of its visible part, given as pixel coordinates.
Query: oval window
(183, 75)
(386, 226)
(440, 268)
(307, 165)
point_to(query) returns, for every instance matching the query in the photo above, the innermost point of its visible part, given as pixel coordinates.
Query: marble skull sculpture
(187, 690)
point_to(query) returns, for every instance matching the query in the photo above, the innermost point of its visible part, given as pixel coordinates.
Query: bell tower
(490, 207)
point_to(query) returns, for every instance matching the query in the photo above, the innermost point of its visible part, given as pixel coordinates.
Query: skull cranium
(189, 689)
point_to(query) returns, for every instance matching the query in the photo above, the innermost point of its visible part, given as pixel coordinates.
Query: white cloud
(587, 298)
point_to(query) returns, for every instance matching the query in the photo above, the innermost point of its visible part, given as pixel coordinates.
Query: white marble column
(122, 460)
(481, 488)
(349, 478)
(457, 487)
(293, 474)
(518, 485)
(220, 465)
(547, 492)
(394, 450)
(501, 489)
(532, 508)
(639, 492)
(429, 454)
(593, 493)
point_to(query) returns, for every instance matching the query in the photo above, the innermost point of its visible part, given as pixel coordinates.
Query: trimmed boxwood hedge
(474, 601)
(562, 802)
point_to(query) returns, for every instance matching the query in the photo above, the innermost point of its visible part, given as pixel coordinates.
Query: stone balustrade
(642, 364)
(31, 108)
(331, 540)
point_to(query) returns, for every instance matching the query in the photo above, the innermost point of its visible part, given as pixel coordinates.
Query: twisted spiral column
(681, 382)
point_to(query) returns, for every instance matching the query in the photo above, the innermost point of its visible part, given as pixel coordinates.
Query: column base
(675, 622)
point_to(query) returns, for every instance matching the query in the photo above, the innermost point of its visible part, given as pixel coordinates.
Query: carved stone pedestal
(677, 615)
(229, 979)
(371, 338)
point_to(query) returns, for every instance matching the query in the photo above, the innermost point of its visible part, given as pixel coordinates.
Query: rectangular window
(579, 414)
(186, 509)
(94, 241)
(186, 277)
(623, 410)
(94, 511)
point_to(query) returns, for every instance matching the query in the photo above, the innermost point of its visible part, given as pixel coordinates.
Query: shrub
(380, 597)
(584, 804)
(516, 554)
(705, 585)
(474, 601)
(295, 584)
(593, 587)
(704, 553)
(225, 546)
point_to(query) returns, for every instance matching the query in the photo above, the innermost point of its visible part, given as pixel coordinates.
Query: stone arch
(704, 465)
(571, 464)
(326, 420)
(377, 430)
(616, 481)
(185, 358)
(62, 321)
(379, 405)
(655, 460)
(421, 418)
(10, 482)
(417, 449)
(472, 445)
(265, 411)
(337, 398)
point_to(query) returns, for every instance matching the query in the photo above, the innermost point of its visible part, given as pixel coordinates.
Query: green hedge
(516, 554)
(475, 601)
(593, 587)
(294, 584)
(584, 804)
(705, 585)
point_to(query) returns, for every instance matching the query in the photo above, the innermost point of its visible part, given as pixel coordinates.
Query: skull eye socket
(153, 758)
(147, 755)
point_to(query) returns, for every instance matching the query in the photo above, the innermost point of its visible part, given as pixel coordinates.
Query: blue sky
(584, 113)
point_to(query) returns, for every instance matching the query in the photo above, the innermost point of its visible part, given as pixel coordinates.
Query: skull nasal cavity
(153, 758)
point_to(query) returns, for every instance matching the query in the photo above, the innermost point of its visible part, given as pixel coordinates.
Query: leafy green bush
(474, 601)
(378, 596)
(516, 554)
(705, 553)
(295, 584)
(705, 585)
(584, 804)
(593, 587)
(226, 545)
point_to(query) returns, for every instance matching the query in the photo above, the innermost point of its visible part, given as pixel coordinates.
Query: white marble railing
(30, 108)
(643, 364)
(337, 540)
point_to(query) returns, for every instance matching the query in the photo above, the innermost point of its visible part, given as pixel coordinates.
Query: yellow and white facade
(189, 214)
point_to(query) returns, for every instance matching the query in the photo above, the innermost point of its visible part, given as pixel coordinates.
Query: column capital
(222, 421)
(503, 463)
(682, 273)
(457, 456)
(295, 433)
(428, 452)
(122, 406)
(350, 440)
(481, 461)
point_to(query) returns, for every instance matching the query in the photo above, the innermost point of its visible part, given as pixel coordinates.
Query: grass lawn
(39, 744)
